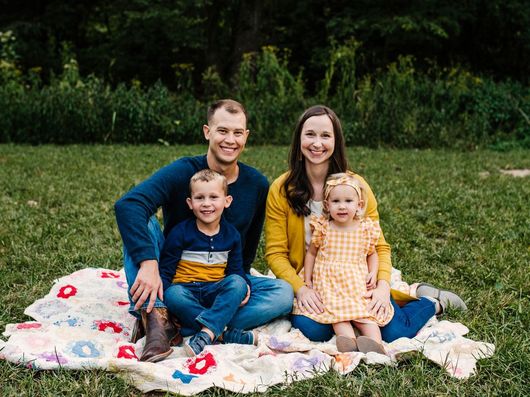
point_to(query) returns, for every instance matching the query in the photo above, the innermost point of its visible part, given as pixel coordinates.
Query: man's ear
(188, 200)
(228, 201)
(206, 131)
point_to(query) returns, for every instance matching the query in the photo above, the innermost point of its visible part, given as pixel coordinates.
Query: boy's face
(208, 200)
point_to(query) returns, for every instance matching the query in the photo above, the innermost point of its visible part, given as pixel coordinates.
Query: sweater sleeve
(382, 247)
(134, 209)
(277, 241)
(235, 260)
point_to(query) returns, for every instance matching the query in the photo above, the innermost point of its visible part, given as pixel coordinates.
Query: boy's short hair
(208, 175)
(229, 105)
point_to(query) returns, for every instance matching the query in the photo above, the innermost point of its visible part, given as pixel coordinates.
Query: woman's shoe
(446, 298)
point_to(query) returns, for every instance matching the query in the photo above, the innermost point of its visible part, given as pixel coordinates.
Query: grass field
(448, 223)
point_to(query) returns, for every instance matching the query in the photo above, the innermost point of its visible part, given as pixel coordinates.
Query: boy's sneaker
(234, 335)
(197, 343)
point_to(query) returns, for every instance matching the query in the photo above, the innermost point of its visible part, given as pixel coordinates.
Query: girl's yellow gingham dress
(340, 270)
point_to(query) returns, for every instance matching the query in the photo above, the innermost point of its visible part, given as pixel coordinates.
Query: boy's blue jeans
(407, 321)
(208, 304)
(269, 299)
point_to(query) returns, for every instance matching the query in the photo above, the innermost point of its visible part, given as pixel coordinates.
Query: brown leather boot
(160, 330)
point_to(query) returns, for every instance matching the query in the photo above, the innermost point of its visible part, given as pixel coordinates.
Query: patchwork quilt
(83, 323)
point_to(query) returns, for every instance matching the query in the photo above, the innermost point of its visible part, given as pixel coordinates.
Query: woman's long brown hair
(297, 187)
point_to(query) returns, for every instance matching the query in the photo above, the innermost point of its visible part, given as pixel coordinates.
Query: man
(226, 133)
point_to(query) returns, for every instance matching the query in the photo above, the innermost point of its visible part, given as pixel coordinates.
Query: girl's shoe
(346, 344)
(366, 345)
(197, 343)
(234, 335)
(446, 298)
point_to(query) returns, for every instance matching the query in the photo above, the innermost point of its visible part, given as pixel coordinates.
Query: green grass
(447, 225)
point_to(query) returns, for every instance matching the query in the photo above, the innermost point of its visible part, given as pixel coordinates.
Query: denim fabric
(208, 304)
(269, 299)
(407, 321)
(131, 269)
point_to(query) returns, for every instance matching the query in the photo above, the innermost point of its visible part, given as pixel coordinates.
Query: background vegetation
(447, 225)
(401, 73)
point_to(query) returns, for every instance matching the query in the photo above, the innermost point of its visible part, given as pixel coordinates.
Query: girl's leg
(370, 341)
(345, 337)
(370, 330)
(344, 328)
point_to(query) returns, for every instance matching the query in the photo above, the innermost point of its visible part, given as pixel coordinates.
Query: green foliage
(447, 225)
(399, 106)
(272, 95)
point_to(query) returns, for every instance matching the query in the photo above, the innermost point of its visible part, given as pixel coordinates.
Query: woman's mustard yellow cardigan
(285, 236)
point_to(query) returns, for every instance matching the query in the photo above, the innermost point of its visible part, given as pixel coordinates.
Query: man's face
(227, 134)
(208, 200)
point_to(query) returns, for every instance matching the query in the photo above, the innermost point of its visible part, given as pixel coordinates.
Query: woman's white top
(316, 209)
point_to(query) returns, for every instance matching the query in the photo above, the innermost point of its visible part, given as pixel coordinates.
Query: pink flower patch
(109, 275)
(127, 352)
(67, 291)
(201, 364)
(108, 325)
(29, 325)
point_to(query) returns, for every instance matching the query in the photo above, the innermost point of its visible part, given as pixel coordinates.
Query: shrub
(396, 107)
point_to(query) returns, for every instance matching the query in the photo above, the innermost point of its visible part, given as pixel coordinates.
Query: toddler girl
(341, 264)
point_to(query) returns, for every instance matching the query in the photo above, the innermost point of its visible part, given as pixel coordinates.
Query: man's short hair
(208, 175)
(229, 105)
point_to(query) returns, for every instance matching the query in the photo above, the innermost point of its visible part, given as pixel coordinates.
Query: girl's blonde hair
(345, 178)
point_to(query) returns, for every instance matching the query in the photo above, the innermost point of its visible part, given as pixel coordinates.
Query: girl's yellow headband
(345, 178)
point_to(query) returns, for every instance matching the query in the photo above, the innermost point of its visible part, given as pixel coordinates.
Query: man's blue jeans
(407, 321)
(208, 304)
(269, 299)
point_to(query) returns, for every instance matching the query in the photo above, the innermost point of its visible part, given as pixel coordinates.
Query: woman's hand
(379, 298)
(309, 300)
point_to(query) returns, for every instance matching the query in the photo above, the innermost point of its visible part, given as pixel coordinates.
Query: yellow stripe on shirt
(188, 271)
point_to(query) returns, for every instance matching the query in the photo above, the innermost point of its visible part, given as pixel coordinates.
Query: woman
(318, 149)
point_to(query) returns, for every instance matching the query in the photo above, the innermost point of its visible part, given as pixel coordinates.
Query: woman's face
(317, 139)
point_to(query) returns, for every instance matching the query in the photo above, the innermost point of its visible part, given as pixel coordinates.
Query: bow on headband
(343, 178)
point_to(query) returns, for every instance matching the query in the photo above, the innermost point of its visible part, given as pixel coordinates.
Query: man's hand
(147, 285)
(379, 298)
(309, 300)
(247, 297)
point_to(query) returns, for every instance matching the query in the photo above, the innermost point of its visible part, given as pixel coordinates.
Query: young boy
(201, 267)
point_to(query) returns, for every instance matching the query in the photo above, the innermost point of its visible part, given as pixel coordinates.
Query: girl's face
(343, 203)
(317, 139)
